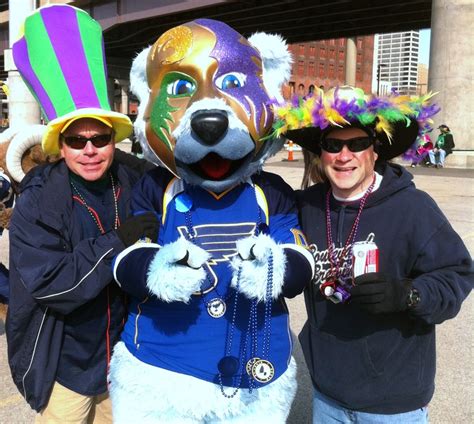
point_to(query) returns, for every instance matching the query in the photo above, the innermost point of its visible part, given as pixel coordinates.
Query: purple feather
(295, 101)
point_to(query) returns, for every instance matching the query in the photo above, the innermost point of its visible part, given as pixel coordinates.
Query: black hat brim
(403, 136)
(308, 138)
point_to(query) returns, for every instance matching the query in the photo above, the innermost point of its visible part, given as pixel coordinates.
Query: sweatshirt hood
(395, 179)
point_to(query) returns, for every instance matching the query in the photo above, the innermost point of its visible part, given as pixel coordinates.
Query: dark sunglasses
(358, 144)
(78, 142)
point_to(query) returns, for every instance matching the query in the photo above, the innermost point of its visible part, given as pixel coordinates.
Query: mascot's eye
(231, 80)
(180, 87)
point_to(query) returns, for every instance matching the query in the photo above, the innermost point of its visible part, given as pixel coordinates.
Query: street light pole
(379, 66)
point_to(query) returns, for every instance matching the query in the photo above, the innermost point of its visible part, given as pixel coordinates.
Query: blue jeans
(326, 411)
(441, 153)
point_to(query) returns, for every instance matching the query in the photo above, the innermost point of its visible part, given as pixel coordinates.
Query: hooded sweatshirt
(383, 363)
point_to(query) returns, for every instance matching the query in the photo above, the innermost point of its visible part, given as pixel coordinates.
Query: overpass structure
(131, 25)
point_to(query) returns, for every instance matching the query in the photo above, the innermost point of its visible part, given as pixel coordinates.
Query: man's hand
(145, 225)
(377, 294)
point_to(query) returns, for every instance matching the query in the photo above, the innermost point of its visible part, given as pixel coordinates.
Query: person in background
(419, 153)
(65, 310)
(313, 172)
(390, 266)
(7, 198)
(443, 147)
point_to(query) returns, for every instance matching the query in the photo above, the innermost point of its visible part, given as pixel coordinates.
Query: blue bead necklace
(257, 367)
(217, 306)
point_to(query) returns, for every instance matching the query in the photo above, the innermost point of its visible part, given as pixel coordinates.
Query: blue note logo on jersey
(220, 240)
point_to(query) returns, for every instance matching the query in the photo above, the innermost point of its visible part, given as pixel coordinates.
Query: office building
(396, 61)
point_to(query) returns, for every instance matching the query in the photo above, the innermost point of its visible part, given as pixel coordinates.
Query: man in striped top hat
(66, 312)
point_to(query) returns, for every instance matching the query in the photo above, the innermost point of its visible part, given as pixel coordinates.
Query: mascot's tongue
(215, 166)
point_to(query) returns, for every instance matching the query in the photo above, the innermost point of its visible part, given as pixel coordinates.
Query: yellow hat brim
(121, 124)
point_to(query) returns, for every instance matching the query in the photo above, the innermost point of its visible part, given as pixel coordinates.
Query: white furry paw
(251, 270)
(176, 271)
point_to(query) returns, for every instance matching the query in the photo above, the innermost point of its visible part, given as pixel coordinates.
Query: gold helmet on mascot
(207, 111)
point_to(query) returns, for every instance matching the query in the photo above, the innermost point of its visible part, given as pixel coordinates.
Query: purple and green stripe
(61, 58)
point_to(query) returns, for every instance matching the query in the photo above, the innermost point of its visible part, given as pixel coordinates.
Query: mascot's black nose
(210, 126)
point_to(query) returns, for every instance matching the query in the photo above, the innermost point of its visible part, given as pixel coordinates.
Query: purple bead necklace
(333, 283)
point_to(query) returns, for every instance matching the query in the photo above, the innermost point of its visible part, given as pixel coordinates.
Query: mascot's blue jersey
(163, 334)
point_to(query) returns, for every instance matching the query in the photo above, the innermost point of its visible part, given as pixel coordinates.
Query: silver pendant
(216, 307)
(262, 371)
(249, 365)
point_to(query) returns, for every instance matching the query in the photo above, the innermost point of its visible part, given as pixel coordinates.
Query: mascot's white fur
(207, 338)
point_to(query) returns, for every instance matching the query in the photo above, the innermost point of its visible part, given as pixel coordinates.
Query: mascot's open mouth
(215, 167)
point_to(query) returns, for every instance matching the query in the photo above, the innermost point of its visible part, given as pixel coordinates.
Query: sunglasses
(358, 144)
(78, 142)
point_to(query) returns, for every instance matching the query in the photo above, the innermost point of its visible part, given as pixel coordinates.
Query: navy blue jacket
(7, 197)
(58, 278)
(383, 363)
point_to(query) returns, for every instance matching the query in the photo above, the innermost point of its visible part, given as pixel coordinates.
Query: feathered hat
(395, 120)
(60, 55)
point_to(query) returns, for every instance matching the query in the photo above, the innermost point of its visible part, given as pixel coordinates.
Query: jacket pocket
(35, 341)
(340, 364)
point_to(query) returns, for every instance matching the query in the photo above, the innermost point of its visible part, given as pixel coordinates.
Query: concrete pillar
(111, 91)
(124, 86)
(452, 68)
(351, 61)
(22, 106)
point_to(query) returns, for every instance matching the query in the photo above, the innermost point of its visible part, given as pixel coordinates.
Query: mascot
(20, 151)
(207, 338)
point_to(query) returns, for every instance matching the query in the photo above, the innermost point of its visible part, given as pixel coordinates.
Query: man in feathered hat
(65, 312)
(390, 266)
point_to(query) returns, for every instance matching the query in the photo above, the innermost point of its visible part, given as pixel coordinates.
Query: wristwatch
(413, 298)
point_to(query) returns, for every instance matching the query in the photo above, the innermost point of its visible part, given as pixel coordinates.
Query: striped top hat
(60, 56)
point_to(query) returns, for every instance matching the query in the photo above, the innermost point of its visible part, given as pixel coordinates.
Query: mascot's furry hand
(253, 261)
(176, 271)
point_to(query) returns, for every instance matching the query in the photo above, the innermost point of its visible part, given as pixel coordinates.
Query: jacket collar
(55, 204)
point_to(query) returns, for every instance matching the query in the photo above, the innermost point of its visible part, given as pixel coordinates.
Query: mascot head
(206, 97)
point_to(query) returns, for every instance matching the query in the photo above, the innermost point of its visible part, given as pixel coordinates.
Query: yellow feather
(308, 112)
(335, 118)
(292, 122)
(428, 96)
(384, 126)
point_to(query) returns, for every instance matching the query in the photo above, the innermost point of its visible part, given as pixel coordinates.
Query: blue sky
(424, 52)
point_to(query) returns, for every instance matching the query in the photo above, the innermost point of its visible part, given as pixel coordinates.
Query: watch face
(413, 298)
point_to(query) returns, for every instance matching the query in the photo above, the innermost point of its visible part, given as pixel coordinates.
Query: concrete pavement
(453, 190)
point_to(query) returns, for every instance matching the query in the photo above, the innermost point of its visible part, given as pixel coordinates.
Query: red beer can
(365, 256)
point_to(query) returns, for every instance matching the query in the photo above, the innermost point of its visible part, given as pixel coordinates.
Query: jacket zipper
(107, 333)
(34, 351)
(340, 226)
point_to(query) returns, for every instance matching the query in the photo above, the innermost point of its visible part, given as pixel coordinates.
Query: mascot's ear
(277, 61)
(138, 80)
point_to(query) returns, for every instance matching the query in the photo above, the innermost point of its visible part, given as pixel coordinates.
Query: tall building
(422, 81)
(322, 63)
(397, 60)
